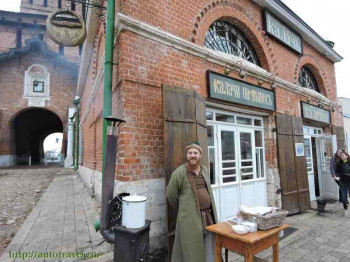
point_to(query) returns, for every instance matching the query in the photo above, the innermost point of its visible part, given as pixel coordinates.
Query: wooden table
(248, 244)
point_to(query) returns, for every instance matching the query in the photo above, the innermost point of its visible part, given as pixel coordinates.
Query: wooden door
(184, 122)
(293, 171)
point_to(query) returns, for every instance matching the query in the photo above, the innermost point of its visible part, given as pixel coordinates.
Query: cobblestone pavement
(20, 189)
(317, 238)
(62, 221)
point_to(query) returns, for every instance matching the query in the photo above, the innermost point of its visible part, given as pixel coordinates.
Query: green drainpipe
(107, 90)
(77, 119)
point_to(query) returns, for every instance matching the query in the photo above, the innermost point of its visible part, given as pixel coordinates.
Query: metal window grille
(306, 79)
(228, 38)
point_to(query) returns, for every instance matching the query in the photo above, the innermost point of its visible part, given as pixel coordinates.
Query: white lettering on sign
(256, 96)
(283, 33)
(227, 88)
(233, 90)
(315, 113)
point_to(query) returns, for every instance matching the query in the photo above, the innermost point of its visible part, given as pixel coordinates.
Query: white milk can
(134, 209)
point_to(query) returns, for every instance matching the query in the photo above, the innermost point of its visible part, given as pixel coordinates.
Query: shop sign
(315, 113)
(280, 31)
(232, 90)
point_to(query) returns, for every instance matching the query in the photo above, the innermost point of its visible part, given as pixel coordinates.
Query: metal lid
(134, 198)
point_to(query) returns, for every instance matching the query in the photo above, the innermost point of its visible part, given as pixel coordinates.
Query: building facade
(345, 102)
(248, 79)
(38, 83)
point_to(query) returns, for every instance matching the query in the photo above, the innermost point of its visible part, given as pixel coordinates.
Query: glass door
(228, 159)
(326, 147)
(237, 171)
(246, 163)
(310, 166)
(236, 161)
(247, 166)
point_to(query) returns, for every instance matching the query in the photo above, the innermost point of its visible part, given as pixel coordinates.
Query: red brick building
(249, 79)
(38, 83)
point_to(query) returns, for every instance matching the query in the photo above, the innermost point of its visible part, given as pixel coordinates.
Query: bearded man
(189, 191)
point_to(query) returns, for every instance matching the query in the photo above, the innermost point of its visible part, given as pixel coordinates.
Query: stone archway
(29, 129)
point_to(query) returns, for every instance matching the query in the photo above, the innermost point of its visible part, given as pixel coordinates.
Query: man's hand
(336, 178)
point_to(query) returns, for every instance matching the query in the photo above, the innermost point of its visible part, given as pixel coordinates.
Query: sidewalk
(315, 238)
(62, 221)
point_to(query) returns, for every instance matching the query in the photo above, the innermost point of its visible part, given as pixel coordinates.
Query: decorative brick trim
(61, 114)
(235, 14)
(316, 68)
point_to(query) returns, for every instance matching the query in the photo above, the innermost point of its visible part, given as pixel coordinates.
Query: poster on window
(299, 149)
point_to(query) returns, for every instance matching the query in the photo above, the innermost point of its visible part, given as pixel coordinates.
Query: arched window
(228, 38)
(307, 79)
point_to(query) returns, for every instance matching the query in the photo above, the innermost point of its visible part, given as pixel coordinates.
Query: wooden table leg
(248, 254)
(276, 250)
(218, 248)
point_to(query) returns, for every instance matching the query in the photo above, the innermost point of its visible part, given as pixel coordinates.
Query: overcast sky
(330, 19)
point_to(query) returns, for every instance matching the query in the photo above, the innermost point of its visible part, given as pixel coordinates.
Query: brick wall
(144, 65)
(37, 7)
(35, 24)
(62, 90)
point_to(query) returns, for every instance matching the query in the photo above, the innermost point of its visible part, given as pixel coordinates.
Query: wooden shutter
(293, 171)
(184, 122)
(339, 132)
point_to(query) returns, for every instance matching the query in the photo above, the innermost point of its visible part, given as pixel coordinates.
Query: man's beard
(191, 163)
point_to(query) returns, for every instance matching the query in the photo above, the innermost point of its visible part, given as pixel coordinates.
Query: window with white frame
(36, 82)
(228, 38)
(313, 131)
(245, 134)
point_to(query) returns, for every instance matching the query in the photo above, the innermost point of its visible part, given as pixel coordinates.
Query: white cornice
(124, 22)
(308, 35)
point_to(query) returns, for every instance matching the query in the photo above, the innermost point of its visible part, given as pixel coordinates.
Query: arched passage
(53, 147)
(30, 128)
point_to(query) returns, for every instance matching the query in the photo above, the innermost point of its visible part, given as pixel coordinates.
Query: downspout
(77, 119)
(107, 232)
(107, 90)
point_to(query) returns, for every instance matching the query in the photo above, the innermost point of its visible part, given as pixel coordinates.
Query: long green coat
(189, 240)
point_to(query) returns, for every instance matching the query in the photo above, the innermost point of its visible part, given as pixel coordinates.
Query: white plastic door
(326, 147)
(310, 166)
(237, 179)
(228, 167)
(247, 166)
